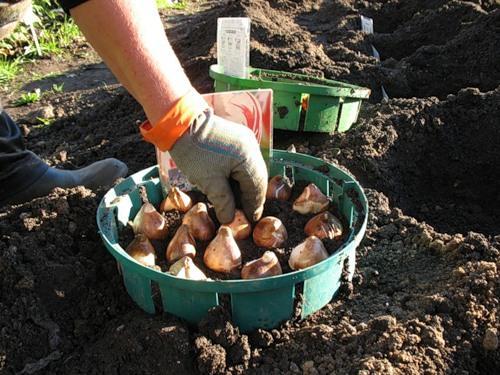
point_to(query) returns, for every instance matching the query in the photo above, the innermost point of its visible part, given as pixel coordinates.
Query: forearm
(129, 36)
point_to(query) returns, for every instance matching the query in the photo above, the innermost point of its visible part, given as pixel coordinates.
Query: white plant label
(233, 45)
(367, 25)
(384, 94)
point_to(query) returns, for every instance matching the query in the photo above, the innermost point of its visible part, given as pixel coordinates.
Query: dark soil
(426, 291)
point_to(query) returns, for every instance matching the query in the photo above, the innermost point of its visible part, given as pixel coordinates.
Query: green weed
(28, 98)
(44, 122)
(9, 69)
(165, 4)
(58, 88)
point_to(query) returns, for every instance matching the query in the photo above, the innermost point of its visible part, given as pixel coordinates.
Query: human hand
(214, 150)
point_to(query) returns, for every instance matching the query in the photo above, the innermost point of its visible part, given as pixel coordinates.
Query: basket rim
(319, 86)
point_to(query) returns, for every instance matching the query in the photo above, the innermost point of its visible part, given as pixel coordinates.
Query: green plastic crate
(261, 303)
(332, 106)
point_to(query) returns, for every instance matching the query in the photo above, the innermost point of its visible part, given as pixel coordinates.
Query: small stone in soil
(490, 340)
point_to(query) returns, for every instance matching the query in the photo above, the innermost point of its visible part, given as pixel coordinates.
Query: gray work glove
(214, 150)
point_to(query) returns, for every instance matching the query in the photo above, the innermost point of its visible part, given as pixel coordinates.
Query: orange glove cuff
(175, 122)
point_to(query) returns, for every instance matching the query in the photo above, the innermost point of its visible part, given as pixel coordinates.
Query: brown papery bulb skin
(182, 244)
(307, 253)
(269, 232)
(223, 254)
(150, 222)
(142, 250)
(240, 226)
(324, 225)
(266, 266)
(278, 188)
(186, 269)
(200, 224)
(311, 201)
(176, 200)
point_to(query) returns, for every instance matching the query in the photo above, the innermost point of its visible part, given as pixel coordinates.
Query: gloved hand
(212, 151)
(209, 151)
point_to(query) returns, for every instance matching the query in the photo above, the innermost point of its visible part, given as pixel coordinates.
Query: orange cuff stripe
(175, 122)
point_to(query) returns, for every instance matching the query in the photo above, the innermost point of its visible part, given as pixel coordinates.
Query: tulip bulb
(176, 200)
(150, 222)
(278, 188)
(240, 226)
(186, 269)
(183, 244)
(308, 253)
(311, 201)
(200, 224)
(142, 250)
(223, 254)
(324, 225)
(270, 232)
(267, 265)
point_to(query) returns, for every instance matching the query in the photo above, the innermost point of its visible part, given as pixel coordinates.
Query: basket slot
(286, 110)
(322, 113)
(187, 304)
(319, 290)
(153, 190)
(349, 114)
(335, 191)
(265, 309)
(139, 288)
(314, 177)
(351, 261)
(347, 210)
(277, 169)
(108, 223)
(289, 172)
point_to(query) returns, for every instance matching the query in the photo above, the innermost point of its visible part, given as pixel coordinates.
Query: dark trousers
(19, 168)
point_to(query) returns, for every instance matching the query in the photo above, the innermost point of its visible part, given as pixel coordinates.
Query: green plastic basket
(332, 106)
(261, 303)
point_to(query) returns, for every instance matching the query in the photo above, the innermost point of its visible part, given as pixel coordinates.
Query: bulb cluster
(222, 253)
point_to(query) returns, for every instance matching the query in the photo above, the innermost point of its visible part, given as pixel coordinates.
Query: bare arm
(129, 36)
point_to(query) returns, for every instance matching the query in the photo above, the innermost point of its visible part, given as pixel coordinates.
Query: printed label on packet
(233, 45)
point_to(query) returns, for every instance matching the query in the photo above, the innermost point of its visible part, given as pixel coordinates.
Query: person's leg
(24, 176)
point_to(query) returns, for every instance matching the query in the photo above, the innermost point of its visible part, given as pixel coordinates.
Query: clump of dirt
(434, 159)
(430, 27)
(467, 60)
(220, 346)
(136, 343)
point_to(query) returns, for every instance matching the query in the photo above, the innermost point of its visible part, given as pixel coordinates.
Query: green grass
(44, 122)
(164, 4)
(9, 69)
(56, 34)
(28, 98)
(58, 88)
